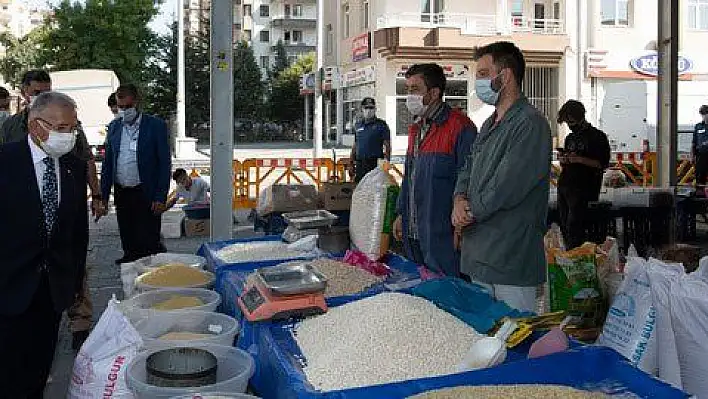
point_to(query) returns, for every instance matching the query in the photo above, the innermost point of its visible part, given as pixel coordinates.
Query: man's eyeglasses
(62, 129)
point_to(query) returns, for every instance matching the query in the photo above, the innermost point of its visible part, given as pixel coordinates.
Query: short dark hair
(433, 75)
(4, 94)
(112, 101)
(572, 110)
(703, 110)
(504, 55)
(128, 90)
(178, 174)
(36, 75)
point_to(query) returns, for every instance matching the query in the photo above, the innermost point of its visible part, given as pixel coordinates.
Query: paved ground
(104, 281)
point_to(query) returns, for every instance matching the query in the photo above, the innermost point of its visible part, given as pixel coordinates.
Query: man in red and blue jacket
(439, 143)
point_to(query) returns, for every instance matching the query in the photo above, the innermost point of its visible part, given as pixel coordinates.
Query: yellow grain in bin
(175, 275)
(373, 212)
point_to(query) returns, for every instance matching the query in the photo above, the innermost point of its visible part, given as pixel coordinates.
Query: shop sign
(359, 76)
(451, 71)
(361, 47)
(648, 64)
(307, 84)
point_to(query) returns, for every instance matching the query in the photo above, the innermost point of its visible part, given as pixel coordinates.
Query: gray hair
(44, 100)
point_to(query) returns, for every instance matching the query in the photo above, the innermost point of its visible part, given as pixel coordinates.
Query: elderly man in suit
(137, 166)
(43, 242)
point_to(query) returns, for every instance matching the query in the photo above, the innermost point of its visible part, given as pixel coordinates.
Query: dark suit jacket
(154, 159)
(23, 244)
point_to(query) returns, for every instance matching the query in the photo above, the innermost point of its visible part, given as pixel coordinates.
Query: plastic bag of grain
(689, 319)
(572, 278)
(373, 211)
(631, 321)
(99, 368)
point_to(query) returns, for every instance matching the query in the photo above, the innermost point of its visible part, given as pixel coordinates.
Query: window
(247, 35)
(614, 12)
(365, 16)
(345, 23)
(246, 9)
(698, 14)
(265, 36)
(431, 11)
(265, 11)
(288, 11)
(330, 39)
(265, 61)
(556, 11)
(286, 36)
(297, 36)
(297, 10)
(517, 13)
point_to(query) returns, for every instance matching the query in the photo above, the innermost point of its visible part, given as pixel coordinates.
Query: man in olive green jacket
(501, 197)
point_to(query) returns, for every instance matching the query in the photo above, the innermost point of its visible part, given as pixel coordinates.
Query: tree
(249, 90)
(160, 76)
(281, 61)
(102, 34)
(197, 78)
(21, 54)
(285, 102)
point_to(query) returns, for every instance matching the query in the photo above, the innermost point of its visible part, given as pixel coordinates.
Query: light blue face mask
(485, 91)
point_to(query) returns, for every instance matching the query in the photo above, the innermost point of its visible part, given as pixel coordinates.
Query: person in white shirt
(193, 190)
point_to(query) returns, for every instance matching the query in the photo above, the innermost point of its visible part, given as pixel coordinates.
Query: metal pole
(317, 141)
(307, 117)
(181, 114)
(222, 119)
(667, 92)
(340, 90)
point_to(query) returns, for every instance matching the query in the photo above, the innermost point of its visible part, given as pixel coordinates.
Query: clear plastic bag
(373, 212)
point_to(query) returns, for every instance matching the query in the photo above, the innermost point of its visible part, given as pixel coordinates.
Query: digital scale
(284, 291)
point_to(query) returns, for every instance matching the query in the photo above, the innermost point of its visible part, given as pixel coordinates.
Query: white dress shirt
(38, 156)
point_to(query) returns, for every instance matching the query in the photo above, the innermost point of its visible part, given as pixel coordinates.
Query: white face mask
(369, 113)
(128, 115)
(58, 144)
(414, 103)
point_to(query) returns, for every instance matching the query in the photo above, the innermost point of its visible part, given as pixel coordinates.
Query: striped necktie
(50, 194)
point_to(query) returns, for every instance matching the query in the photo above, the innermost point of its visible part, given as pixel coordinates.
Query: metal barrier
(252, 175)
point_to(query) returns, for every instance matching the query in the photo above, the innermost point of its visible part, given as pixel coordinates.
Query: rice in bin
(177, 302)
(174, 275)
(255, 251)
(510, 392)
(385, 338)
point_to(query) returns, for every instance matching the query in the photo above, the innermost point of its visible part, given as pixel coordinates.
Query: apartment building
(599, 51)
(265, 22)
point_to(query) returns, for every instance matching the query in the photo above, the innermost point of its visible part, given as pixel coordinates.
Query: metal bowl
(181, 368)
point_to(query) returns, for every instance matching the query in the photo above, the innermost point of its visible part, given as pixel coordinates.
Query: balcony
(287, 21)
(538, 26)
(471, 24)
(294, 47)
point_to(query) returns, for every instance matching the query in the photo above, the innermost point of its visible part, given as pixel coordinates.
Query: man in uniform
(699, 147)
(372, 142)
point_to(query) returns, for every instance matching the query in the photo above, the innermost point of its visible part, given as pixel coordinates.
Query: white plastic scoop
(488, 351)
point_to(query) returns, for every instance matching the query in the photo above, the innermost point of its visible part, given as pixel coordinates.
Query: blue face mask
(485, 91)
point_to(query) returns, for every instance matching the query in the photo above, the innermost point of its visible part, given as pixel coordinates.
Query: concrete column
(308, 133)
(667, 90)
(503, 16)
(317, 140)
(222, 120)
(340, 67)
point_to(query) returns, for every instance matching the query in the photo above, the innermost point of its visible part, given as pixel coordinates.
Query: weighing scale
(284, 291)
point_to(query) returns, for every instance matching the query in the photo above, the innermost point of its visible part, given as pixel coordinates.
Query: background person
(43, 242)
(113, 104)
(194, 190)
(372, 141)
(4, 105)
(501, 197)
(137, 166)
(438, 145)
(586, 154)
(699, 147)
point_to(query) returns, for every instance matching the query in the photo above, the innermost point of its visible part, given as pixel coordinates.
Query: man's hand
(461, 212)
(158, 207)
(457, 238)
(398, 228)
(98, 209)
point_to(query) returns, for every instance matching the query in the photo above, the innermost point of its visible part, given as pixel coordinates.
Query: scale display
(260, 304)
(252, 299)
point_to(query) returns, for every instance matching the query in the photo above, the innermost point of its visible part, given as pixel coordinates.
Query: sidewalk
(104, 281)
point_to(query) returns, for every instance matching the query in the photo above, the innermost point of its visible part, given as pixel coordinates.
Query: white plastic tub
(235, 368)
(222, 329)
(148, 299)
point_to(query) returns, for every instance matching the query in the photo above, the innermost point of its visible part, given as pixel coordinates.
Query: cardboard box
(196, 227)
(172, 223)
(337, 196)
(288, 198)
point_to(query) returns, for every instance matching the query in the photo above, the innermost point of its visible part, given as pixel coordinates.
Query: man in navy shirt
(699, 147)
(372, 142)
